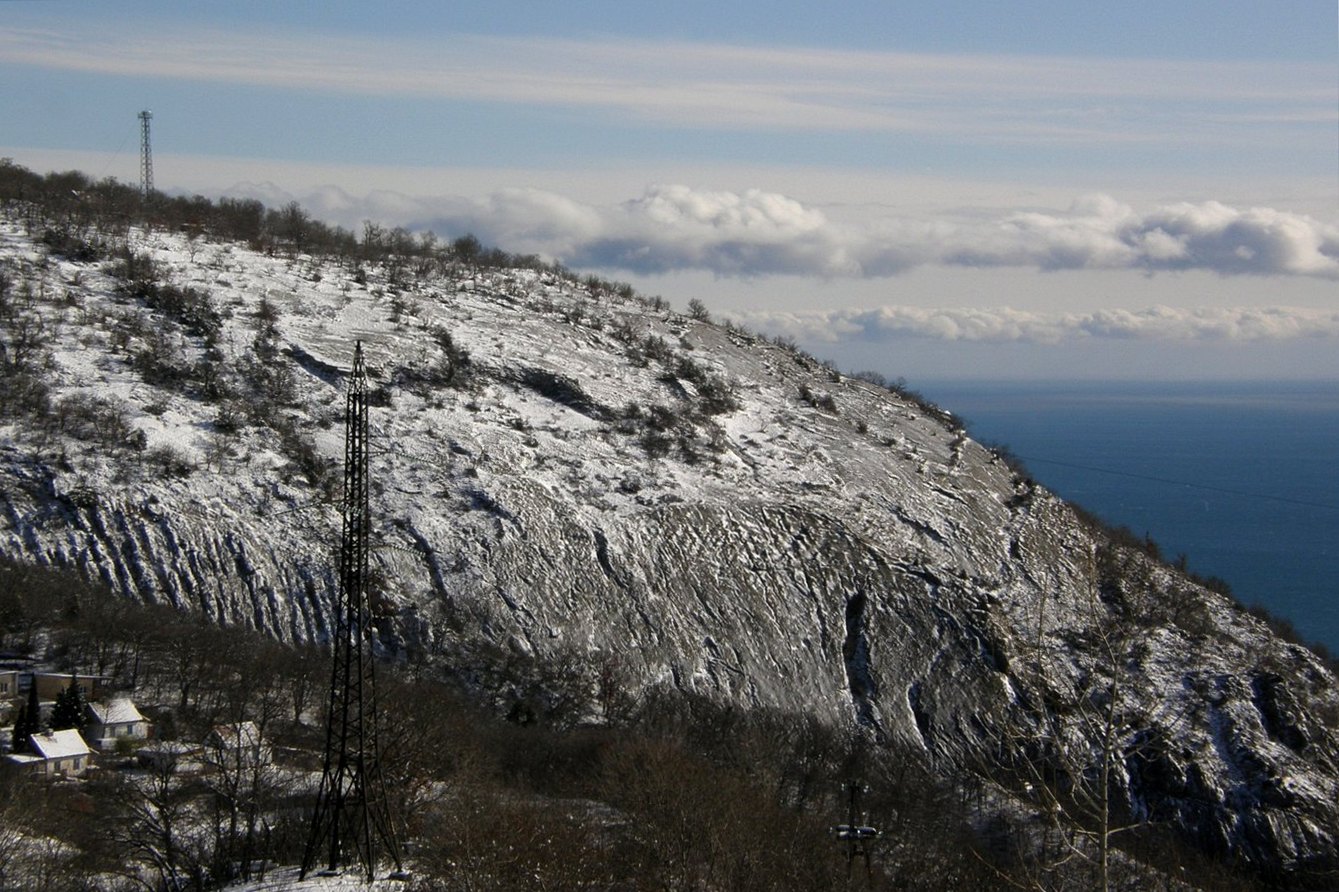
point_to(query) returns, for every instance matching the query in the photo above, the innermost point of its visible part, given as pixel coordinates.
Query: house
(116, 719)
(170, 757)
(9, 694)
(50, 684)
(57, 754)
(65, 752)
(236, 745)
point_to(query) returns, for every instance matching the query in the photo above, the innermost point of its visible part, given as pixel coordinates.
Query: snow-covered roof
(60, 744)
(120, 711)
(77, 676)
(237, 734)
(170, 747)
(22, 758)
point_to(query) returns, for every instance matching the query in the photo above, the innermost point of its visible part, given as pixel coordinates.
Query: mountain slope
(580, 497)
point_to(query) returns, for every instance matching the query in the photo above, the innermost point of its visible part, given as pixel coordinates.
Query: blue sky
(955, 189)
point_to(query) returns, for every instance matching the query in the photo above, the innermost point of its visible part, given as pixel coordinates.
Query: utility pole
(351, 819)
(856, 834)
(145, 156)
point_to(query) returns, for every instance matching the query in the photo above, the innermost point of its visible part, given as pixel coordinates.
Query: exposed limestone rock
(622, 494)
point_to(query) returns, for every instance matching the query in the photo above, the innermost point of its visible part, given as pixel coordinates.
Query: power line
(117, 154)
(1204, 486)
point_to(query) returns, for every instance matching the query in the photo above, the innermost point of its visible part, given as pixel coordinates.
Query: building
(9, 695)
(57, 754)
(171, 756)
(50, 684)
(236, 745)
(115, 720)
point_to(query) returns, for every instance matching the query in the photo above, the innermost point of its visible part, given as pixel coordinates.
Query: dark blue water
(1241, 478)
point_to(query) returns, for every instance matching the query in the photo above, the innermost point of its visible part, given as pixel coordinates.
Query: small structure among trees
(50, 684)
(236, 744)
(116, 720)
(60, 753)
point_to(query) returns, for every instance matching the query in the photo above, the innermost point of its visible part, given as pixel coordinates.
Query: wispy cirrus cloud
(1001, 325)
(1011, 98)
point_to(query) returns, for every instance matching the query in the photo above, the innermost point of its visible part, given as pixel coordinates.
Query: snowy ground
(823, 546)
(287, 878)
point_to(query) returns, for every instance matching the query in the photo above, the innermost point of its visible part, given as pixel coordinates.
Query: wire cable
(1204, 486)
(115, 155)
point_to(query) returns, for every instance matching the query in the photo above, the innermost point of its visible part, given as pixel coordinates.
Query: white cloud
(1100, 233)
(758, 233)
(750, 233)
(1007, 325)
(755, 233)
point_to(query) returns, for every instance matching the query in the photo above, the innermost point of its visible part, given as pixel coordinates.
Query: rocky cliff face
(579, 497)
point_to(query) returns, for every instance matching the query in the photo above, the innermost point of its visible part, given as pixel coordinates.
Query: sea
(1240, 478)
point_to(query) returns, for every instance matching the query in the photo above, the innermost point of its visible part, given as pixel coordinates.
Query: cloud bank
(1002, 325)
(756, 233)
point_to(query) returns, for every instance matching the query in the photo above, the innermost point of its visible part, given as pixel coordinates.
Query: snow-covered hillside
(580, 497)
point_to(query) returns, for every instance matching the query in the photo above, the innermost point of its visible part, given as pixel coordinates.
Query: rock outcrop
(575, 492)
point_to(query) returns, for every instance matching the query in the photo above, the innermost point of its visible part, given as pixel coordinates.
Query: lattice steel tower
(351, 819)
(145, 156)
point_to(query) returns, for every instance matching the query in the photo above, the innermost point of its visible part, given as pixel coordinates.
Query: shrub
(24, 395)
(453, 368)
(192, 308)
(872, 377)
(655, 347)
(140, 278)
(823, 401)
(136, 273)
(230, 418)
(1284, 628)
(301, 450)
(98, 420)
(168, 462)
(71, 244)
(930, 408)
(159, 362)
(717, 397)
(656, 444)
(1006, 456)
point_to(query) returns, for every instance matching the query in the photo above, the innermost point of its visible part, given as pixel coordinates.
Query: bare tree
(157, 824)
(244, 783)
(1074, 765)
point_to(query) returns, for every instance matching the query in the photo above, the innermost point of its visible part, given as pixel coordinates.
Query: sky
(957, 190)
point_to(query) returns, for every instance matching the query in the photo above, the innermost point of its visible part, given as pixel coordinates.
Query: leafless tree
(157, 824)
(1073, 765)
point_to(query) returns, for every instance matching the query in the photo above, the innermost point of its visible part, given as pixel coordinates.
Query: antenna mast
(351, 801)
(145, 156)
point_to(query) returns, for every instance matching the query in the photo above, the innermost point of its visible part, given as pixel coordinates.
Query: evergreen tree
(69, 709)
(28, 722)
(18, 742)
